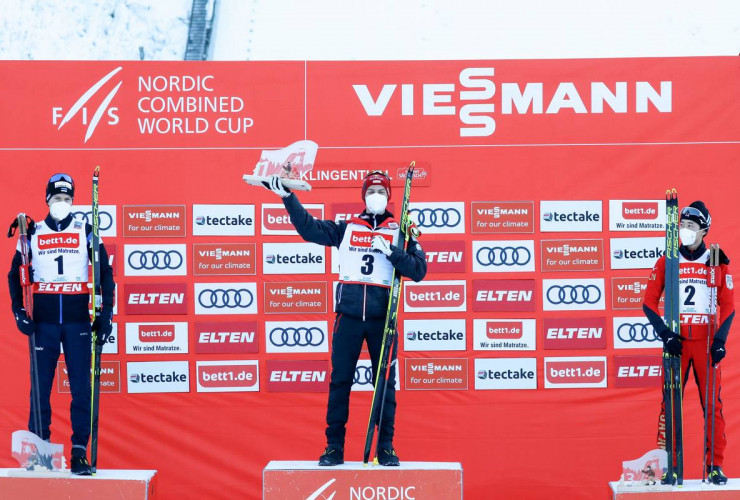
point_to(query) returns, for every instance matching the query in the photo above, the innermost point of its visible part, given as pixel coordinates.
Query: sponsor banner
(154, 221)
(572, 255)
(634, 332)
(224, 259)
(501, 217)
(503, 256)
(504, 335)
(293, 258)
(227, 376)
(636, 215)
(351, 174)
(296, 336)
(155, 298)
(158, 376)
(434, 296)
(364, 380)
(570, 216)
(574, 333)
(226, 337)
(110, 377)
(157, 338)
(444, 256)
(297, 375)
(627, 293)
(296, 297)
(225, 298)
(638, 371)
(106, 214)
(576, 372)
(503, 295)
(223, 220)
(446, 217)
(505, 373)
(573, 295)
(155, 260)
(441, 374)
(434, 335)
(275, 219)
(54, 241)
(636, 253)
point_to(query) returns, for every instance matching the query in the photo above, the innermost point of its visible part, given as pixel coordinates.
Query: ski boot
(387, 457)
(716, 476)
(669, 480)
(333, 455)
(80, 466)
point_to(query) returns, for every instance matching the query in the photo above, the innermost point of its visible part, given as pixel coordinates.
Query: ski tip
(413, 164)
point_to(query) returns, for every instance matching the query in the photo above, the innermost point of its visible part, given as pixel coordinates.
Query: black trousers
(349, 334)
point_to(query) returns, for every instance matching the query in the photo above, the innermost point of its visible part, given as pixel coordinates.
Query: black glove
(671, 342)
(23, 322)
(103, 325)
(718, 351)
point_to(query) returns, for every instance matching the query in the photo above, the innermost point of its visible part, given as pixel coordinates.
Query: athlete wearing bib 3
(368, 253)
(691, 342)
(60, 250)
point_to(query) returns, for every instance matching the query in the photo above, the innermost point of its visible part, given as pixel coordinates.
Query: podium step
(692, 489)
(354, 481)
(19, 484)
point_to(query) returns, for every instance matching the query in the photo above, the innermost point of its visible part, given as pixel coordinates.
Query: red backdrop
(677, 126)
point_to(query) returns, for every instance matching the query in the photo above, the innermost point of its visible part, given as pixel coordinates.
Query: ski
(96, 350)
(713, 278)
(387, 359)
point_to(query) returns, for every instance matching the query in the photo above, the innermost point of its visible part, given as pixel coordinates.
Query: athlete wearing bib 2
(60, 250)
(691, 342)
(368, 253)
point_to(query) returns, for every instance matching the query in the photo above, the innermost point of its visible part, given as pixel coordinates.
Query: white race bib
(358, 263)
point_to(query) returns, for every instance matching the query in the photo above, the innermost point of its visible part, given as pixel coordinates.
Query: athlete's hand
(671, 342)
(103, 325)
(276, 186)
(23, 322)
(381, 245)
(718, 351)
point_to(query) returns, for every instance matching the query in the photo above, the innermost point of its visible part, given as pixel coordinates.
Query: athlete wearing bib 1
(368, 253)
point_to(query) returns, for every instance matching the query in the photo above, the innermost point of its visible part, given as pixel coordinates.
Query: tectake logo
(503, 256)
(293, 258)
(223, 220)
(227, 376)
(502, 217)
(276, 221)
(224, 259)
(158, 377)
(573, 295)
(504, 295)
(297, 375)
(504, 335)
(225, 298)
(442, 374)
(296, 297)
(580, 372)
(634, 332)
(155, 260)
(434, 335)
(106, 218)
(226, 337)
(439, 218)
(637, 215)
(572, 255)
(575, 333)
(638, 371)
(296, 336)
(79, 110)
(505, 373)
(636, 253)
(570, 216)
(153, 220)
(445, 256)
(157, 338)
(432, 296)
(155, 298)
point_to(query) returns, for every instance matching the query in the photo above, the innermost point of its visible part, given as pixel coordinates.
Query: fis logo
(79, 107)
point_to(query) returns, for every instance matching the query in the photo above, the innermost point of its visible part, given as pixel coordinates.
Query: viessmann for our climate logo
(224, 259)
(637, 215)
(436, 374)
(627, 293)
(153, 220)
(155, 298)
(110, 377)
(502, 217)
(296, 297)
(475, 97)
(572, 255)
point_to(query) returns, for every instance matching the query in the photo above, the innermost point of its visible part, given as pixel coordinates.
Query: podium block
(19, 484)
(354, 481)
(692, 489)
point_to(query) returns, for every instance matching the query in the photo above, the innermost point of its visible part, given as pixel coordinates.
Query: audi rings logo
(154, 259)
(363, 375)
(439, 217)
(297, 337)
(573, 294)
(503, 256)
(230, 298)
(105, 219)
(636, 332)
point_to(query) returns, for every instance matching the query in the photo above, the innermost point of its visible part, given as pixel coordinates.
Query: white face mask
(687, 236)
(60, 210)
(376, 203)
